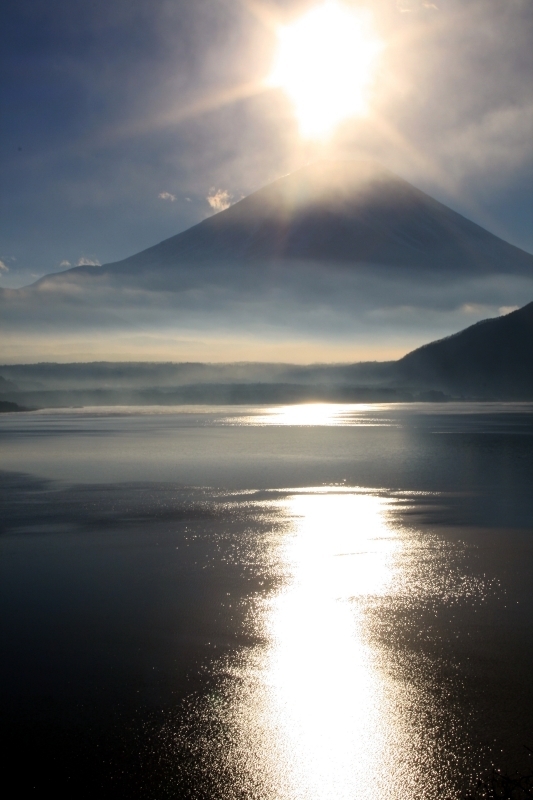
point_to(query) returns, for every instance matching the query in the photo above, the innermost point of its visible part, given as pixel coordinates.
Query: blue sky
(121, 118)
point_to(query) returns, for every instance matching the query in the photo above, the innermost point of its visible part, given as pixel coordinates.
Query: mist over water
(311, 601)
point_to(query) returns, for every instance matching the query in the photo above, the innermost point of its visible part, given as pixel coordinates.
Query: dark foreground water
(284, 604)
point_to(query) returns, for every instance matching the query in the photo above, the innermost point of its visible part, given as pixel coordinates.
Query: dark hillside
(492, 359)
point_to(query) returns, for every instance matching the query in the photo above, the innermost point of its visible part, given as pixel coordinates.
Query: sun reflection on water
(312, 414)
(324, 688)
(319, 719)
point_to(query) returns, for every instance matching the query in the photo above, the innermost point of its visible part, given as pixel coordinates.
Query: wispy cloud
(408, 6)
(219, 199)
(88, 262)
(167, 196)
(65, 264)
(503, 310)
(473, 308)
(500, 138)
(3, 267)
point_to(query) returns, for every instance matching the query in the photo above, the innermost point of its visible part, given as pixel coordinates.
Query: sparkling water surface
(316, 601)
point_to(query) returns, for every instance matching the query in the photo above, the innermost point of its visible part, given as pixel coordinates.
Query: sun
(325, 63)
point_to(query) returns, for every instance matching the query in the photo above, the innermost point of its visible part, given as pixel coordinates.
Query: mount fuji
(339, 250)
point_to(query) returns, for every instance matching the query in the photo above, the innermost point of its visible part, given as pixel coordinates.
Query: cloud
(3, 267)
(88, 262)
(167, 196)
(65, 264)
(503, 310)
(218, 199)
(473, 308)
(501, 138)
(408, 6)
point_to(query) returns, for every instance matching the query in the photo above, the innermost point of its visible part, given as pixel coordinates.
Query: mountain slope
(332, 212)
(493, 358)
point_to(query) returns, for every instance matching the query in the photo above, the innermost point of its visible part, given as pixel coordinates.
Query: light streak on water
(316, 715)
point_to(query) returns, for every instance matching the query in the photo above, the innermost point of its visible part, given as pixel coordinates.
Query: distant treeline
(492, 360)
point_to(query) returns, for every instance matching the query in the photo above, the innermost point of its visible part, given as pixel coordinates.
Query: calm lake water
(302, 603)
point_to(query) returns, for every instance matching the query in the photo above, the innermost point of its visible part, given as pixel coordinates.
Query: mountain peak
(339, 212)
(330, 214)
(326, 180)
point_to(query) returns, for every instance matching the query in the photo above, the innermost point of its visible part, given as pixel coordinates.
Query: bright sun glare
(325, 62)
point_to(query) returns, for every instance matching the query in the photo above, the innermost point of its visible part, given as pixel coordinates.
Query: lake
(303, 602)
